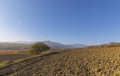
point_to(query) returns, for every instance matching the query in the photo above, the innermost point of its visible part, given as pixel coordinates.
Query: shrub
(38, 48)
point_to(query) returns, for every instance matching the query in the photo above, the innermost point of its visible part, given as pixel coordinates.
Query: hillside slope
(77, 62)
(13, 46)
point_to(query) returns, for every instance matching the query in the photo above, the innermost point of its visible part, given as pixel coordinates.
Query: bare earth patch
(77, 62)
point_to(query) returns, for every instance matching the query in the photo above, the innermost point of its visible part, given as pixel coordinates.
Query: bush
(38, 48)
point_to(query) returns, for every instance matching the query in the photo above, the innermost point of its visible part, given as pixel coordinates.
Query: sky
(64, 21)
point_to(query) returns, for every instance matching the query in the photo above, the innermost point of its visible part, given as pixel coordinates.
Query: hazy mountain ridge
(23, 45)
(77, 45)
(63, 46)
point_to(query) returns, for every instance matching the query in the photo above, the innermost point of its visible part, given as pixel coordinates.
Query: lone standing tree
(37, 48)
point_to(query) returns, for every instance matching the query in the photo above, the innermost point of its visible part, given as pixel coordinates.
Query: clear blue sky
(65, 21)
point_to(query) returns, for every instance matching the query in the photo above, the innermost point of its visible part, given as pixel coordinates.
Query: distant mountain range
(63, 46)
(23, 45)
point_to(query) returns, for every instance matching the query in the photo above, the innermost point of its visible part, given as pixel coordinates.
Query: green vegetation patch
(3, 63)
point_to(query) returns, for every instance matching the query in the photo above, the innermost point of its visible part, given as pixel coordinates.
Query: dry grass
(77, 62)
(8, 52)
(7, 57)
(5, 52)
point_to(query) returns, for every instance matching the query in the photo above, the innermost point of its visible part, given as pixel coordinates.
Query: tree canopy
(37, 48)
